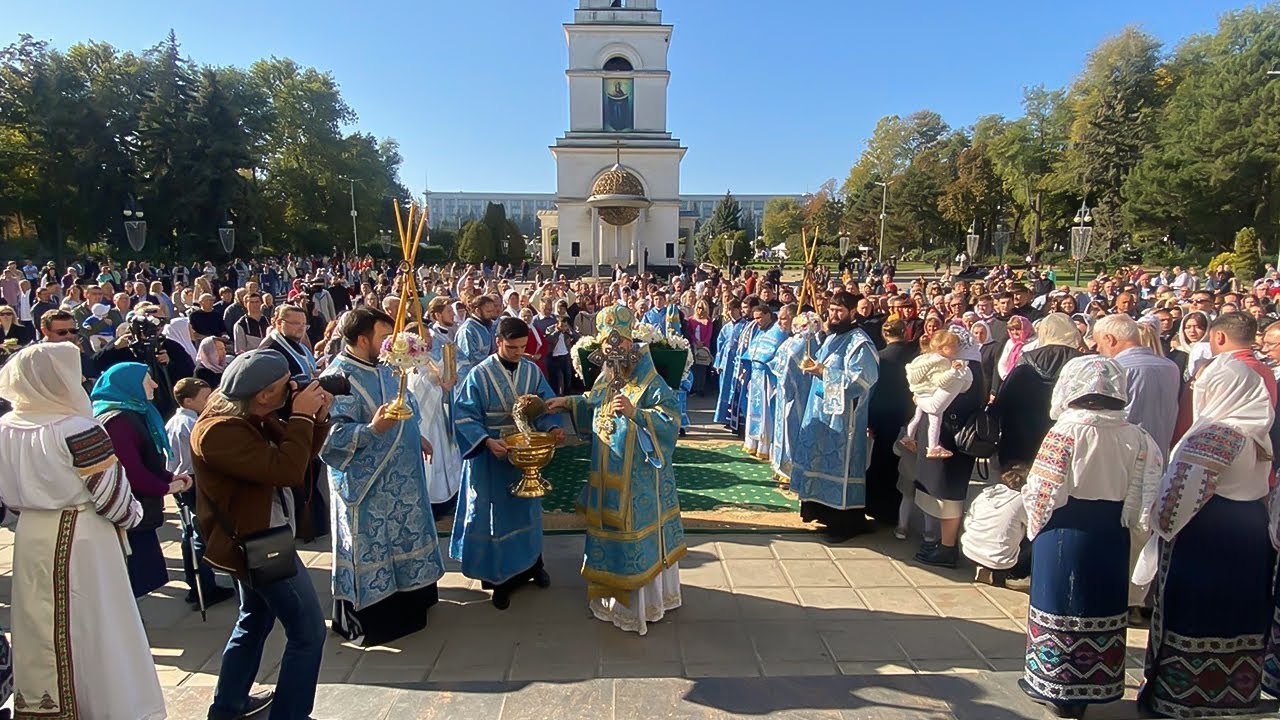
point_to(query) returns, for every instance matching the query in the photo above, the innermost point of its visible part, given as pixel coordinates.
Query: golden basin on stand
(530, 454)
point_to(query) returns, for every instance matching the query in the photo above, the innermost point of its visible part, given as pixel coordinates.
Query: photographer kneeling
(244, 456)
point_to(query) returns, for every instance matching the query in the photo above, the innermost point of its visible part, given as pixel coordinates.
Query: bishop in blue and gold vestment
(634, 535)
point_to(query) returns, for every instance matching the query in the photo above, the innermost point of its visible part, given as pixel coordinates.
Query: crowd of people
(1122, 434)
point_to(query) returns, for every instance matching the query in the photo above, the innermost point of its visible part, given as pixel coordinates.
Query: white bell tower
(618, 81)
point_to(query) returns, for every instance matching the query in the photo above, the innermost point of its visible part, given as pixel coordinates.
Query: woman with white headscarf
(1211, 554)
(179, 331)
(1082, 493)
(1022, 401)
(76, 628)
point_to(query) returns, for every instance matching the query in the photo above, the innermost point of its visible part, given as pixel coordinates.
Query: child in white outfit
(995, 530)
(936, 377)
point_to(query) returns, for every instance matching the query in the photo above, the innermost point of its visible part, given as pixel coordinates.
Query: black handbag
(979, 436)
(269, 555)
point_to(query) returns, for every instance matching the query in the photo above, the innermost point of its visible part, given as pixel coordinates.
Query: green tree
(1247, 263)
(783, 219)
(1215, 165)
(515, 243)
(1025, 154)
(495, 218)
(1116, 101)
(476, 242)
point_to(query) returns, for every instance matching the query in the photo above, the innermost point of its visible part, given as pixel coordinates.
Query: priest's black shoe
(541, 578)
(940, 556)
(256, 705)
(501, 599)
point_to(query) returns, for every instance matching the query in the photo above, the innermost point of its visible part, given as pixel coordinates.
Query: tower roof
(618, 12)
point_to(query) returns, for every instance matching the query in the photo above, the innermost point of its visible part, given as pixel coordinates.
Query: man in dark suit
(888, 413)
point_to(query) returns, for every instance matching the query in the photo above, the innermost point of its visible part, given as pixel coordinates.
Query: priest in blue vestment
(386, 560)
(735, 404)
(792, 394)
(830, 457)
(634, 534)
(727, 357)
(761, 389)
(497, 536)
(475, 335)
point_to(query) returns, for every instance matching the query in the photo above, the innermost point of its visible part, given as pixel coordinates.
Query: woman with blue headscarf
(122, 402)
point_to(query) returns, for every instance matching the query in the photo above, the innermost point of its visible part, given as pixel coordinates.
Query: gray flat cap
(252, 372)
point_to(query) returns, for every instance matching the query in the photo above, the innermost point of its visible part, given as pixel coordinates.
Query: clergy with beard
(635, 538)
(792, 391)
(830, 457)
(762, 388)
(497, 536)
(475, 334)
(386, 561)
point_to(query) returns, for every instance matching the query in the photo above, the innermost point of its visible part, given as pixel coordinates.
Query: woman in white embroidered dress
(1210, 552)
(1083, 492)
(77, 636)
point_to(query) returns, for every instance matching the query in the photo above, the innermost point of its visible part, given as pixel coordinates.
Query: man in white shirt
(191, 395)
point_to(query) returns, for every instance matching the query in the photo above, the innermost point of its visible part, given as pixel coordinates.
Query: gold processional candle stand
(808, 286)
(410, 241)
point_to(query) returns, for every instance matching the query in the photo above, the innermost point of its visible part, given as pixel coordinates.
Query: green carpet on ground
(707, 478)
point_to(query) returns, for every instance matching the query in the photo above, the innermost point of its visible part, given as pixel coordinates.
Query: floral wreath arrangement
(405, 351)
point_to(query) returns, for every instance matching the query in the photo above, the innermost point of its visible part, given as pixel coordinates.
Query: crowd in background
(1108, 419)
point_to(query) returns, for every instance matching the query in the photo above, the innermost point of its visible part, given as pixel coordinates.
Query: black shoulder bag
(269, 555)
(979, 436)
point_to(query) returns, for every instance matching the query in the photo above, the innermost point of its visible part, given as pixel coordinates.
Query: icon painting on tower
(619, 111)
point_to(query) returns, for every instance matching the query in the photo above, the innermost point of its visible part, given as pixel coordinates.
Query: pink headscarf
(207, 355)
(1013, 350)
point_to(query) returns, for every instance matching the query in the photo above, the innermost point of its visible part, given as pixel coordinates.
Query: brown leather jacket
(239, 463)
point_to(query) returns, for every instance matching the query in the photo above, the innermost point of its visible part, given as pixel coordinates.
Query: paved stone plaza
(773, 626)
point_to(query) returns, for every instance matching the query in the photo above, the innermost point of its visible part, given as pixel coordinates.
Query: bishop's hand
(622, 406)
(557, 404)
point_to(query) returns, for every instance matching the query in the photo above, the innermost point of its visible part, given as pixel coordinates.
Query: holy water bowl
(530, 454)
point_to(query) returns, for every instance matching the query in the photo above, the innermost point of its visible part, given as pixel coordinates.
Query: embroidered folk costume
(1082, 493)
(1211, 553)
(76, 631)
(634, 534)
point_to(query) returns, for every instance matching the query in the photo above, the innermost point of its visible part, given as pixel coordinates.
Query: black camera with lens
(332, 384)
(145, 331)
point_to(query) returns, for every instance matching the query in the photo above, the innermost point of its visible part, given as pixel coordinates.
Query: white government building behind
(617, 78)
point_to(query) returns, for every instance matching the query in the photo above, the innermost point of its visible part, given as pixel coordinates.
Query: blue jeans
(294, 603)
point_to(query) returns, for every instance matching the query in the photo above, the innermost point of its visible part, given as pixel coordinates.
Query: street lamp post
(135, 228)
(1081, 235)
(884, 201)
(355, 237)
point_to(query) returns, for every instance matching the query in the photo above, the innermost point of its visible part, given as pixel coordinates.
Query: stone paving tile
(994, 638)
(645, 699)
(549, 701)
(935, 640)
(701, 604)
(830, 604)
(873, 573)
(899, 600)
(755, 573)
(769, 604)
(354, 702)
(745, 551)
(459, 701)
(961, 602)
(813, 573)
(800, 550)
(555, 652)
(861, 642)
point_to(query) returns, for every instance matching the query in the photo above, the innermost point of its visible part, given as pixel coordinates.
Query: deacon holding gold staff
(634, 535)
(496, 535)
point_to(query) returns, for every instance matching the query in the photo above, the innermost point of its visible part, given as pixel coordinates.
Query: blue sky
(769, 97)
